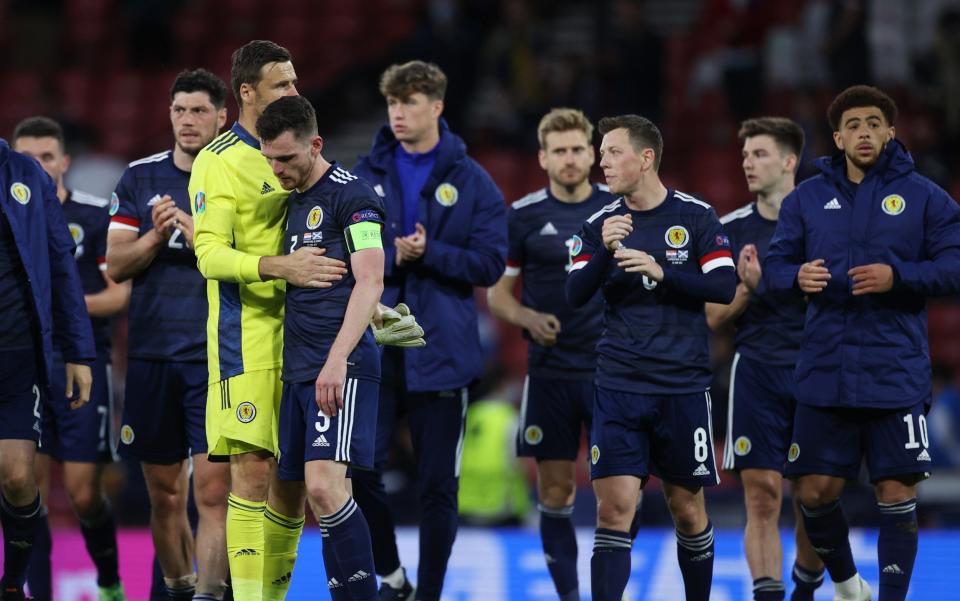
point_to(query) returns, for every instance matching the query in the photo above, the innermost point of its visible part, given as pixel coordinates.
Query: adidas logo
(702, 556)
(246, 553)
(701, 471)
(360, 575)
(548, 230)
(21, 544)
(923, 456)
(266, 188)
(833, 204)
(823, 550)
(285, 579)
(333, 583)
(321, 441)
(550, 559)
(892, 569)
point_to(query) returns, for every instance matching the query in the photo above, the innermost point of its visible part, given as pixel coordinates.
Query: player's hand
(615, 229)
(80, 376)
(163, 215)
(748, 267)
(398, 327)
(637, 261)
(329, 386)
(410, 248)
(875, 278)
(183, 221)
(308, 268)
(813, 276)
(543, 327)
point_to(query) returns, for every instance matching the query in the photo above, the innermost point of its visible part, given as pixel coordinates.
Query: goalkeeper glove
(400, 328)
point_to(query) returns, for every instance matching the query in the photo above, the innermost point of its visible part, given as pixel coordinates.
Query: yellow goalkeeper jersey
(239, 212)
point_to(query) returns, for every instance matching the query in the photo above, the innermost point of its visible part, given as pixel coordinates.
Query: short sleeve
(584, 245)
(713, 245)
(124, 212)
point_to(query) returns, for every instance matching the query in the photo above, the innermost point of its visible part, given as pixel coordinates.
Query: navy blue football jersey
(769, 330)
(655, 338)
(312, 316)
(168, 303)
(88, 218)
(541, 230)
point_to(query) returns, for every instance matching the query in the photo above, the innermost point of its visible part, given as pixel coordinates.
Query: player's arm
(109, 301)
(940, 274)
(784, 267)
(716, 281)
(480, 261)
(128, 252)
(720, 316)
(543, 327)
(72, 331)
(366, 261)
(589, 260)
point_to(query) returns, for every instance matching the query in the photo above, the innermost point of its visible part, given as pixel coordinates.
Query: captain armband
(363, 235)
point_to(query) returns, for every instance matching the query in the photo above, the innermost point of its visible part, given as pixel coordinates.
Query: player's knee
(763, 501)
(615, 513)
(86, 501)
(894, 491)
(211, 492)
(18, 479)
(327, 495)
(688, 514)
(557, 494)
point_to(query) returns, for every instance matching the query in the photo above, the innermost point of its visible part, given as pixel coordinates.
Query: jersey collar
(244, 135)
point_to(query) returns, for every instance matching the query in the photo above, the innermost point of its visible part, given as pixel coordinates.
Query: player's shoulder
(227, 142)
(611, 207)
(530, 200)
(88, 200)
(151, 161)
(348, 186)
(690, 203)
(739, 215)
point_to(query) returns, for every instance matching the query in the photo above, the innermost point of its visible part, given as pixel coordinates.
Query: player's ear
(891, 133)
(437, 108)
(66, 162)
(316, 145)
(542, 157)
(247, 92)
(838, 140)
(221, 118)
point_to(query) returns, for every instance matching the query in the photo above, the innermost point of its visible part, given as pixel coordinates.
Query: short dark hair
(289, 113)
(249, 59)
(787, 133)
(200, 80)
(860, 97)
(39, 127)
(409, 78)
(643, 133)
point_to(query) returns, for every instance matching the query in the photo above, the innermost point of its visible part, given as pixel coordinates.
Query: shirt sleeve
(712, 244)
(100, 239)
(515, 255)
(361, 215)
(214, 206)
(124, 213)
(717, 281)
(589, 260)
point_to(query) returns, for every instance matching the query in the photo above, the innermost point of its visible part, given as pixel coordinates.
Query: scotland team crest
(76, 232)
(533, 435)
(794, 453)
(677, 236)
(595, 454)
(893, 204)
(20, 192)
(246, 412)
(742, 446)
(447, 194)
(314, 217)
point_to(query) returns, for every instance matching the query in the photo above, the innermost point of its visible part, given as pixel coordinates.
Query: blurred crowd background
(696, 67)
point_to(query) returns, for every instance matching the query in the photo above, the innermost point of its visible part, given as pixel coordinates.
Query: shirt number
(174, 241)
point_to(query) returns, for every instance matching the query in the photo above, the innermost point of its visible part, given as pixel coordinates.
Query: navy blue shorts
(164, 411)
(667, 435)
(552, 415)
(21, 396)
(306, 434)
(833, 442)
(759, 415)
(82, 434)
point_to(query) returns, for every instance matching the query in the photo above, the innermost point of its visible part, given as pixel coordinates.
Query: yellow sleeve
(214, 205)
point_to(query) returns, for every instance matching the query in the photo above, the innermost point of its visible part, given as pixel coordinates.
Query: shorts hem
(758, 466)
(845, 473)
(921, 474)
(597, 474)
(548, 456)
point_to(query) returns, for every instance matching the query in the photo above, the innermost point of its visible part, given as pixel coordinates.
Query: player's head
(414, 93)
(772, 147)
(566, 151)
(261, 72)
(862, 119)
(42, 138)
(289, 140)
(197, 109)
(631, 147)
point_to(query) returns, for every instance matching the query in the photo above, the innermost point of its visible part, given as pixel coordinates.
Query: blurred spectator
(632, 59)
(846, 45)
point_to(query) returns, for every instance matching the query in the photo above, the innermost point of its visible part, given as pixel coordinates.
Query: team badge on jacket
(447, 194)
(20, 192)
(893, 204)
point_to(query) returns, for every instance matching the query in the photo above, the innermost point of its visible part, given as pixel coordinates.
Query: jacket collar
(895, 161)
(450, 150)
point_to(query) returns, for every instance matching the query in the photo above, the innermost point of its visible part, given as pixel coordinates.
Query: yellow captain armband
(363, 235)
